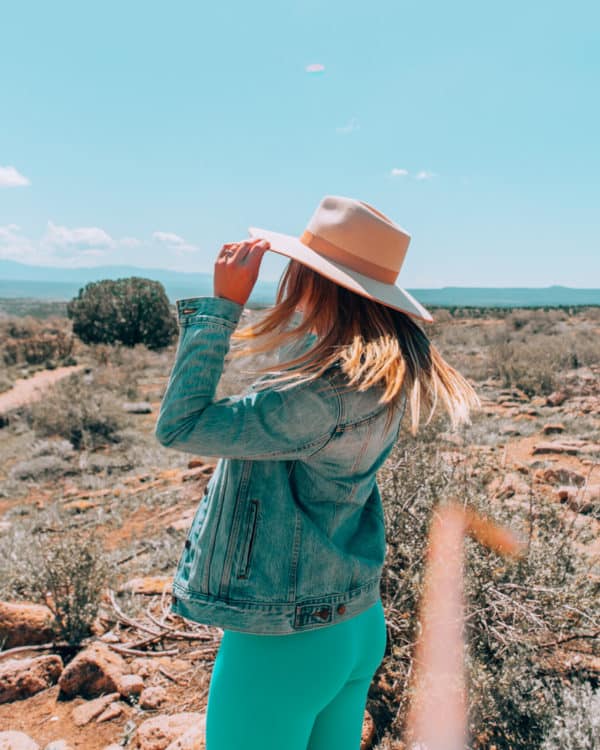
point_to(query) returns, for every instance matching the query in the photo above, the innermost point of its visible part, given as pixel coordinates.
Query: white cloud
(61, 239)
(398, 172)
(10, 177)
(314, 68)
(350, 127)
(175, 243)
(15, 246)
(424, 175)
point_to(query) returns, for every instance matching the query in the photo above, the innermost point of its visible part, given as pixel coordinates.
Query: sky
(151, 133)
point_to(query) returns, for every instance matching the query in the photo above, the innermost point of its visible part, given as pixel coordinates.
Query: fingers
(240, 250)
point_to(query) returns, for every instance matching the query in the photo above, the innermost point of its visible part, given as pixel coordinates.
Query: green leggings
(303, 691)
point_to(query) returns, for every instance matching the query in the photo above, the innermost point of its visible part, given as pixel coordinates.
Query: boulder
(93, 672)
(25, 624)
(193, 739)
(22, 678)
(160, 731)
(58, 745)
(17, 741)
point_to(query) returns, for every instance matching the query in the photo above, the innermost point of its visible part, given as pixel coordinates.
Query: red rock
(564, 476)
(130, 684)
(22, 678)
(149, 585)
(160, 731)
(153, 698)
(553, 427)
(25, 624)
(94, 671)
(111, 712)
(17, 741)
(87, 711)
(552, 447)
(557, 398)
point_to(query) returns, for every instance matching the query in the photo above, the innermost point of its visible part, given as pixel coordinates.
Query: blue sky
(151, 133)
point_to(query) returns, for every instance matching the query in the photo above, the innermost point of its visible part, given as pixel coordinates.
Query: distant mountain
(46, 282)
(49, 282)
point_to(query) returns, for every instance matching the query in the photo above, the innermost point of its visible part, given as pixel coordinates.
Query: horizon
(143, 158)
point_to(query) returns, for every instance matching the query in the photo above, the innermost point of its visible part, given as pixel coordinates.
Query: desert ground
(88, 497)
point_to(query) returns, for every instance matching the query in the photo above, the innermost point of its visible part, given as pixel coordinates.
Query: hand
(236, 269)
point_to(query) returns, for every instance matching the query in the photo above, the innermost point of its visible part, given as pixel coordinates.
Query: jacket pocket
(246, 551)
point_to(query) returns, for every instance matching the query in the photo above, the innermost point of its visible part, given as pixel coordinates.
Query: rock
(553, 427)
(198, 473)
(152, 698)
(160, 731)
(22, 678)
(555, 447)
(114, 747)
(196, 463)
(137, 407)
(94, 671)
(557, 398)
(149, 585)
(111, 712)
(25, 624)
(509, 431)
(87, 711)
(58, 745)
(17, 741)
(581, 500)
(130, 684)
(193, 739)
(564, 476)
(512, 484)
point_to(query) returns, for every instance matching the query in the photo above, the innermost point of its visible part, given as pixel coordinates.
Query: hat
(356, 246)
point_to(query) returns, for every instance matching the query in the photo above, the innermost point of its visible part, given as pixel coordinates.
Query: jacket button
(188, 544)
(341, 609)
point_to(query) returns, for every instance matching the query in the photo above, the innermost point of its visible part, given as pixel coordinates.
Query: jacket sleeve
(266, 424)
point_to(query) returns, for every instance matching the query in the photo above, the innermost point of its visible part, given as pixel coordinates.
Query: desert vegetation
(94, 512)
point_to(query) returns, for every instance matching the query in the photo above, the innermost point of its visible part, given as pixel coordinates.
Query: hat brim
(388, 294)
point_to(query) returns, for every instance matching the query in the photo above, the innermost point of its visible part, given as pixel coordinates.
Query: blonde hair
(374, 345)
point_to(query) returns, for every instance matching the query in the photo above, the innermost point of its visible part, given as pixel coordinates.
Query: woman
(287, 547)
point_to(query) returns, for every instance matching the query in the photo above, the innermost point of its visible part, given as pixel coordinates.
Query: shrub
(512, 608)
(42, 467)
(84, 415)
(128, 311)
(66, 570)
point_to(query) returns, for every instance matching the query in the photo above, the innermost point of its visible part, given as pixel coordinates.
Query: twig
(20, 649)
(138, 652)
(575, 637)
(172, 677)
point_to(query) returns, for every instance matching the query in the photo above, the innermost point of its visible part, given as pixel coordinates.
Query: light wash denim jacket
(289, 535)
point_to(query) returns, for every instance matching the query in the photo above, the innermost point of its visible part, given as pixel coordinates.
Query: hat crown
(355, 233)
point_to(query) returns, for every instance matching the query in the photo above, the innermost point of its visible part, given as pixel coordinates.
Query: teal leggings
(303, 691)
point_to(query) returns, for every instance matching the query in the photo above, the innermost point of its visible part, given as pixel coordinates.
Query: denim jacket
(289, 535)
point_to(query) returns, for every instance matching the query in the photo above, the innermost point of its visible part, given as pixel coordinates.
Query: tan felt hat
(355, 245)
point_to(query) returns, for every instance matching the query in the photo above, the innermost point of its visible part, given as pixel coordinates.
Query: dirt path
(26, 390)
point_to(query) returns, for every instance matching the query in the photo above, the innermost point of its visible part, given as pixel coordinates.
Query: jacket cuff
(196, 309)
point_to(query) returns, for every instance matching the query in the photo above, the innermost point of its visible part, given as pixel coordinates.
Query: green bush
(128, 311)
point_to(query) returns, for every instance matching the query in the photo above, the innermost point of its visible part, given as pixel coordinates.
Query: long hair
(373, 344)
